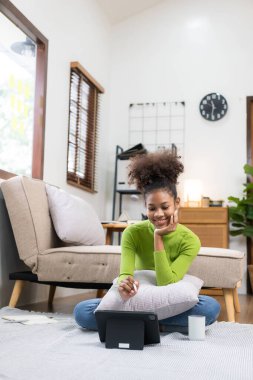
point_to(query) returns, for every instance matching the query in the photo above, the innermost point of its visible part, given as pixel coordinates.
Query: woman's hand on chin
(128, 288)
(170, 227)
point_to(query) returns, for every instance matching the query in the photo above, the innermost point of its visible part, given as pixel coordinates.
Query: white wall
(77, 31)
(183, 50)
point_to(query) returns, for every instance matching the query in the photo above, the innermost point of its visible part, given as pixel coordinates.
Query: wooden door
(250, 162)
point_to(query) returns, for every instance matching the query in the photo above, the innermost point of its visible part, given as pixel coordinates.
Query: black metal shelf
(116, 191)
(128, 191)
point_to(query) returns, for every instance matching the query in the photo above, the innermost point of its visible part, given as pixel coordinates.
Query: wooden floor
(66, 305)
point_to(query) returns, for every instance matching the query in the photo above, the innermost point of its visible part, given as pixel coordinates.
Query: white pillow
(74, 220)
(165, 301)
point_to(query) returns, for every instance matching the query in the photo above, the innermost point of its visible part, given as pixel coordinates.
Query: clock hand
(213, 108)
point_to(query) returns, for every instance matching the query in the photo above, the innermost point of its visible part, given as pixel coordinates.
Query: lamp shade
(25, 48)
(193, 189)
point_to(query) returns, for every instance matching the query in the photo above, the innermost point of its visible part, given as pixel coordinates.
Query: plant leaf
(237, 214)
(234, 199)
(248, 186)
(239, 225)
(237, 218)
(236, 232)
(248, 201)
(248, 230)
(241, 215)
(248, 169)
(239, 209)
(249, 213)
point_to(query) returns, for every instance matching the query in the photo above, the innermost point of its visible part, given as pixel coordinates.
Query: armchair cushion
(218, 267)
(165, 301)
(74, 220)
(97, 264)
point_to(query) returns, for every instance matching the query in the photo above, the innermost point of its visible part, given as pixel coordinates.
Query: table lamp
(192, 192)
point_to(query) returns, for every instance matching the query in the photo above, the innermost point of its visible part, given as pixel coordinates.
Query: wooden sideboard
(210, 224)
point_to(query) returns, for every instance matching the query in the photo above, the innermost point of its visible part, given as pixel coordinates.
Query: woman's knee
(84, 314)
(216, 308)
(79, 312)
(210, 308)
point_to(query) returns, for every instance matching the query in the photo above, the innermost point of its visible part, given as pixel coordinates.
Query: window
(83, 128)
(23, 68)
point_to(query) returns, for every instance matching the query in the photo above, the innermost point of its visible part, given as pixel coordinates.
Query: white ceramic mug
(196, 327)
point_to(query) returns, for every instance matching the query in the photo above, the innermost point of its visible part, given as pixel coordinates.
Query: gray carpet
(62, 351)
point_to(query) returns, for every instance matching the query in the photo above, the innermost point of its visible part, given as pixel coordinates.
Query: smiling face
(160, 206)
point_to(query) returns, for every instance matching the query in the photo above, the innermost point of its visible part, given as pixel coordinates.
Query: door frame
(250, 162)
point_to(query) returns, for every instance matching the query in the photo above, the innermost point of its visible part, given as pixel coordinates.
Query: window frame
(17, 18)
(87, 179)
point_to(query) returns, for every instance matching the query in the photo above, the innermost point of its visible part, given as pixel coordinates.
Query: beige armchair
(51, 262)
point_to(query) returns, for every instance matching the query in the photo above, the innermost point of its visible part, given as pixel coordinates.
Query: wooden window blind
(84, 105)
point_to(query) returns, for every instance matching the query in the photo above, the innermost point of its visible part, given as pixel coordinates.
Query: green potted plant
(241, 214)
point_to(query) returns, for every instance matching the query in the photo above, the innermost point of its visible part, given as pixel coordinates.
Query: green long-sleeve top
(170, 264)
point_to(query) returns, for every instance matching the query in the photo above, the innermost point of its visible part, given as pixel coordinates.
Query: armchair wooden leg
(229, 302)
(52, 290)
(100, 293)
(236, 301)
(18, 287)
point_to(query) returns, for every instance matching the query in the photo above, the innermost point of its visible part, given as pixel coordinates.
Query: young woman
(159, 243)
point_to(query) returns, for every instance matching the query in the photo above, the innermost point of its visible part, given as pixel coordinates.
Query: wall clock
(213, 106)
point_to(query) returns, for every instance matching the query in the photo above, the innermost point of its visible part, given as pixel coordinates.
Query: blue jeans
(207, 306)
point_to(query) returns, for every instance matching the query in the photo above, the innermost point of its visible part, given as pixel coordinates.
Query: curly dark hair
(153, 171)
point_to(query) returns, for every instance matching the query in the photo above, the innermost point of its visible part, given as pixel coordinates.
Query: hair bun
(160, 167)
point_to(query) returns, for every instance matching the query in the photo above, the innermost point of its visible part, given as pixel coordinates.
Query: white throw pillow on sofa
(165, 301)
(74, 220)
